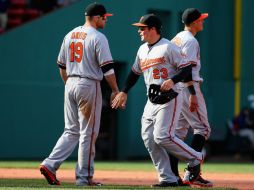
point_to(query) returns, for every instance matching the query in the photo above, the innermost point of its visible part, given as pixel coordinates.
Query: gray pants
(198, 120)
(158, 133)
(82, 112)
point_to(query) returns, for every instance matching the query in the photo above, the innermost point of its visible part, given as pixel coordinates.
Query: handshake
(118, 100)
(158, 94)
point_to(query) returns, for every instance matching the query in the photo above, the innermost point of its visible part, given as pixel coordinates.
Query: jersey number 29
(76, 52)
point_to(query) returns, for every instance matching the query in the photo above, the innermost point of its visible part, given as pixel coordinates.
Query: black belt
(78, 76)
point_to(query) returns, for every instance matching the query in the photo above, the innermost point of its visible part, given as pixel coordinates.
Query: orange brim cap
(108, 14)
(139, 24)
(203, 16)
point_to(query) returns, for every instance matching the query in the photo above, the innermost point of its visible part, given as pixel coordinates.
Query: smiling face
(145, 33)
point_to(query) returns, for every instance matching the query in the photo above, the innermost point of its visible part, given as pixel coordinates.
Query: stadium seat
(18, 3)
(2, 30)
(14, 22)
(16, 13)
(31, 14)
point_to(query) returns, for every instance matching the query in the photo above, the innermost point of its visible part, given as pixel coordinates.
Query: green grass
(34, 184)
(139, 166)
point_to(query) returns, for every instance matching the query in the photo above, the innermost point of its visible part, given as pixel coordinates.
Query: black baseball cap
(96, 9)
(191, 14)
(149, 20)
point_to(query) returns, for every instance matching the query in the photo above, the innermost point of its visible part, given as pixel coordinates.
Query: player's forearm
(111, 80)
(182, 74)
(188, 82)
(130, 82)
(63, 75)
(109, 74)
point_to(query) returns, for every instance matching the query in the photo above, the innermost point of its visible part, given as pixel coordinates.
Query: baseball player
(163, 65)
(193, 111)
(83, 60)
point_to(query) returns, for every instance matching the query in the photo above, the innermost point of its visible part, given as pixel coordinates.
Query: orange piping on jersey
(91, 142)
(147, 63)
(199, 116)
(59, 62)
(62, 64)
(184, 65)
(175, 105)
(193, 63)
(186, 150)
(206, 127)
(137, 73)
(172, 122)
(106, 62)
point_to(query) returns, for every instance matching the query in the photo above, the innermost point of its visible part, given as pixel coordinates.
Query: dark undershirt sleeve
(130, 82)
(182, 74)
(107, 67)
(61, 67)
(186, 75)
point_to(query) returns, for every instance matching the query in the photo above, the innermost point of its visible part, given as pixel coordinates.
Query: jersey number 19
(76, 52)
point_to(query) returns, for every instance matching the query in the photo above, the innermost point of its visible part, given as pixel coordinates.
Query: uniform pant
(158, 133)
(198, 120)
(82, 112)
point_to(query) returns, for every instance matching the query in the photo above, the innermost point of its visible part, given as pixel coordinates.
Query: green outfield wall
(32, 93)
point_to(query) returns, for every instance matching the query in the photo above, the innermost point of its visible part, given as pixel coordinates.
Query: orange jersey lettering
(147, 63)
(78, 35)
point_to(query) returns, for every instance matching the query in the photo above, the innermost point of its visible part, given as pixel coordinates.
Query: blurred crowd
(48, 5)
(4, 5)
(15, 12)
(244, 125)
(241, 132)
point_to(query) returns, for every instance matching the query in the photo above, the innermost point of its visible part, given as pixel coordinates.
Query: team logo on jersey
(177, 41)
(147, 63)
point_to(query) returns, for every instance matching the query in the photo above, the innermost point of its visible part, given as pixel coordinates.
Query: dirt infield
(239, 181)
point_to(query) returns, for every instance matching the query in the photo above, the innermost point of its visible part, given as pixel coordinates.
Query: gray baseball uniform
(84, 50)
(197, 120)
(159, 63)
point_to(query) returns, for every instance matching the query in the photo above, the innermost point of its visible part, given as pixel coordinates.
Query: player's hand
(113, 95)
(167, 85)
(119, 101)
(193, 103)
